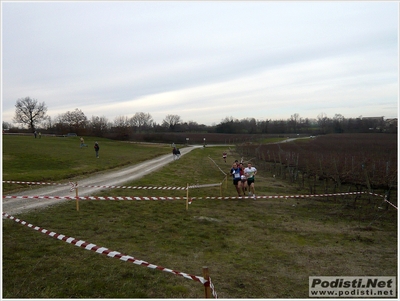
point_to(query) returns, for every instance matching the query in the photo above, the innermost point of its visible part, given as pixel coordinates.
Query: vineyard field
(336, 162)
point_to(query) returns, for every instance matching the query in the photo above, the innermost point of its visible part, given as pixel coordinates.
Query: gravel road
(111, 178)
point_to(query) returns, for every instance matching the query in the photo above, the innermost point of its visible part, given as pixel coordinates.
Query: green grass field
(264, 248)
(59, 158)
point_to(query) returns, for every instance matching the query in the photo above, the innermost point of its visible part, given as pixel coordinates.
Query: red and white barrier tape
(275, 196)
(290, 196)
(390, 203)
(155, 198)
(213, 289)
(102, 198)
(34, 183)
(205, 185)
(74, 185)
(109, 253)
(140, 187)
(217, 165)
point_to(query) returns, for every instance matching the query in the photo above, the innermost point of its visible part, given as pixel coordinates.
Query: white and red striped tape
(112, 186)
(140, 187)
(205, 185)
(102, 198)
(217, 165)
(109, 253)
(99, 186)
(389, 203)
(137, 198)
(213, 288)
(34, 183)
(155, 198)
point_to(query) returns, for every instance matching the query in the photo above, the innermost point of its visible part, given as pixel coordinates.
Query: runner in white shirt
(250, 172)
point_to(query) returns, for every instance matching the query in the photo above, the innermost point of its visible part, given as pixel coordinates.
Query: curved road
(110, 178)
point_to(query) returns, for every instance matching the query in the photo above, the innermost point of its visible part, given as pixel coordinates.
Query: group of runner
(243, 178)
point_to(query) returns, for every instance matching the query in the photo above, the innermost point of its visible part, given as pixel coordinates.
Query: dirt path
(112, 178)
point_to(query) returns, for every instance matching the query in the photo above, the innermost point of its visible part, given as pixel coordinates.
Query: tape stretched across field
(155, 198)
(74, 185)
(113, 254)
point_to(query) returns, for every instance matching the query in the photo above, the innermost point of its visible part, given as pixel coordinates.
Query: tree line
(31, 116)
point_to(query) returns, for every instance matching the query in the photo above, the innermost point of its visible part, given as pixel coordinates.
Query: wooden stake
(207, 289)
(187, 196)
(77, 197)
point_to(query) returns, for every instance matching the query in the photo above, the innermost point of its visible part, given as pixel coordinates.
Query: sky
(204, 61)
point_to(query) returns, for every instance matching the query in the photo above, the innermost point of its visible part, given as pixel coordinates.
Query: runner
(243, 178)
(250, 172)
(235, 172)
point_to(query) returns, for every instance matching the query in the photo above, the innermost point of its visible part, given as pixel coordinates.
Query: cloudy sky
(202, 60)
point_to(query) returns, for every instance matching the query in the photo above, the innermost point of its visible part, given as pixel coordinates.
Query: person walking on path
(235, 172)
(250, 172)
(96, 149)
(174, 153)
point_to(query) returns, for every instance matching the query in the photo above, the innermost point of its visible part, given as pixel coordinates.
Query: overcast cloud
(203, 61)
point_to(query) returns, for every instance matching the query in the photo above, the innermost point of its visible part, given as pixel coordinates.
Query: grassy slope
(254, 249)
(58, 158)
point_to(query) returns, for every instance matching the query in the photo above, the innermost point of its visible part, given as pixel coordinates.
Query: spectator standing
(96, 149)
(250, 171)
(224, 154)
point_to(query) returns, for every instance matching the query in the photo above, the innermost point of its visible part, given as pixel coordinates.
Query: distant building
(390, 125)
(373, 119)
(380, 124)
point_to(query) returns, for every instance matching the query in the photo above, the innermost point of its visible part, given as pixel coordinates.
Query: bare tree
(338, 123)
(6, 125)
(121, 126)
(294, 121)
(141, 121)
(46, 123)
(121, 122)
(29, 112)
(99, 125)
(171, 121)
(323, 122)
(75, 120)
